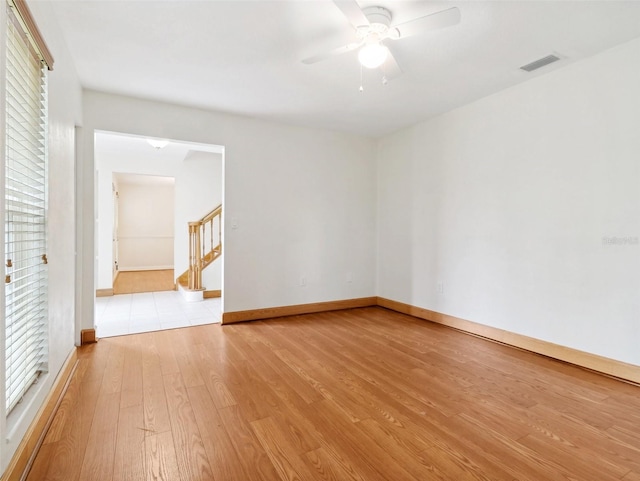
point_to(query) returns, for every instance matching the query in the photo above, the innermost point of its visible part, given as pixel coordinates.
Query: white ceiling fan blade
(332, 53)
(445, 18)
(390, 67)
(353, 12)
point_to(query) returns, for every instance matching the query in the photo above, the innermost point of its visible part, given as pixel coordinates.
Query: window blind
(25, 213)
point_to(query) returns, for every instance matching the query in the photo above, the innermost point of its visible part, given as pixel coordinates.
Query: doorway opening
(143, 233)
(148, 192)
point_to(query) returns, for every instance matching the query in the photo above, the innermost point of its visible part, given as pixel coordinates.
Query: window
(25, 205)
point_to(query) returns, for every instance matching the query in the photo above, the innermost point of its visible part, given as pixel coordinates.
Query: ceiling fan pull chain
(361, 87)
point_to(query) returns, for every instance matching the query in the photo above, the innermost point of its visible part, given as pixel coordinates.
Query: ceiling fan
(373, 28)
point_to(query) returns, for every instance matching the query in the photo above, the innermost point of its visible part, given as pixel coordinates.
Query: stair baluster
(199, 256)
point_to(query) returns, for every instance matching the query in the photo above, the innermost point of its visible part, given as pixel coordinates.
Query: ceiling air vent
(541, 62)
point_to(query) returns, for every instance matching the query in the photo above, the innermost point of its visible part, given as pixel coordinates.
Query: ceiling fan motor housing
(379, 21)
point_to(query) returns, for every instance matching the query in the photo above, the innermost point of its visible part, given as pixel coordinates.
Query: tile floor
(152, 311)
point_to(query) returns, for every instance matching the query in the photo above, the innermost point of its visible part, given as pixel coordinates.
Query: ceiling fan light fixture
(158, 144)
(372, 55)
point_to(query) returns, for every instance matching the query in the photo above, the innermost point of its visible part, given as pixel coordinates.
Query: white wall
(198, 192)
(64, 113)
(146, 223)
(303, 201)
(507, 201)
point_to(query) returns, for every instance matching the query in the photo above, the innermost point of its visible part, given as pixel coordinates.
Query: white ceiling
(243, 56)
(114, 144)
(142, 179)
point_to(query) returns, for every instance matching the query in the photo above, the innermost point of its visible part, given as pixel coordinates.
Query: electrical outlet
(303, 281)
(440, 287)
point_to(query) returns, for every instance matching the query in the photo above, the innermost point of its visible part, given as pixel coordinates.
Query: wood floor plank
(298, 428)
(280, 339)
(210, 370)
(114, 369)
(282, 372)
(223, 458)
(160, 462)
(257, 400)
(403, 438)
(301, 369)
(99, 456)
(290, 406)
(42, 462)
(130, 449)
(392, 439)
(334, 425)
(387, 409)
(190, 454)
(328, 468)
(151, 361)
(500, 418)
(281, 453)
(93, 362)
(571, 428)
(66, 460)
(398, 373)
(624, 435)
(319, 376)
(240, 388)
(473, 446)
(164, 343)
(65, 413)
(257, 465)
(557, 450)
(188, 364)
(357, 395)
(398, 386)
(156, 411)
(444, 464)
(133, 355)
(625, 410)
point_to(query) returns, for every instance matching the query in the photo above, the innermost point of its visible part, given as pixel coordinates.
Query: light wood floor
(362, 395)
(131, 282)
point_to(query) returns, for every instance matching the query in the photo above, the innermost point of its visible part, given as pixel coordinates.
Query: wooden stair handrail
(211, 215)
(201, 256)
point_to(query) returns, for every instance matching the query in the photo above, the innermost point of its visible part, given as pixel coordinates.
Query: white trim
(144, 268)
(120, 237)
(191, 295)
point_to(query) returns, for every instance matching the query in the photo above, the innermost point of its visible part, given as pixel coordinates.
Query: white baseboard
(144, 268)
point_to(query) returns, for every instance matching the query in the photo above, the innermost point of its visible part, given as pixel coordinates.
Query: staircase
(205, 246)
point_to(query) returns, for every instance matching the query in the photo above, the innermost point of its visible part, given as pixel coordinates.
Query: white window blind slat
(21, 191)
(25, 134)
(25, 179)
(26, 310)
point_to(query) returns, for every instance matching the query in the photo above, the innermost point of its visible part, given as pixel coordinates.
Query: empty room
(399, 240)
